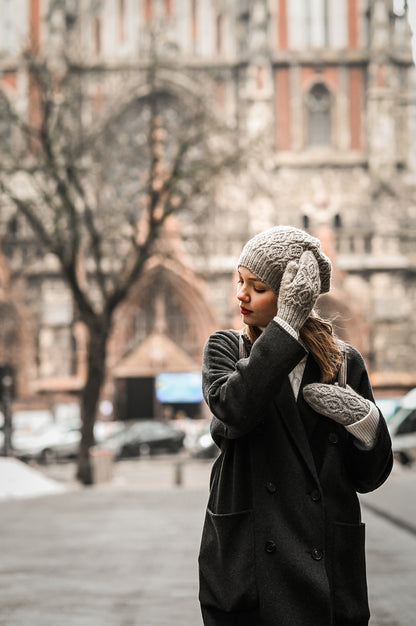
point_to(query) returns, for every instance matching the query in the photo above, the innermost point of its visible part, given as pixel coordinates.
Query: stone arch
(188, 301)
(177, 84)
(168, 301)
(187, 315)
(177, 87)
(159, 120)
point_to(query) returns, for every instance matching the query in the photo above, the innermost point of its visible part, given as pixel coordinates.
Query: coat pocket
(227, 562)
(349, 580)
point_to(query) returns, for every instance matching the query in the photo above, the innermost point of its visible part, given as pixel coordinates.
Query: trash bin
(102, 465)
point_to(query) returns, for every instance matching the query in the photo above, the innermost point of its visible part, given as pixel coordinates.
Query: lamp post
(6, 382)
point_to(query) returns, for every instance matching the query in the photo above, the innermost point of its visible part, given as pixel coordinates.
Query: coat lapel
(287, 407)
(311, 374)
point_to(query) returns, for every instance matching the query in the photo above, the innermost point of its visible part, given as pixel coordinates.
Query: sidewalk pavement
(390, 515)
(125, 554)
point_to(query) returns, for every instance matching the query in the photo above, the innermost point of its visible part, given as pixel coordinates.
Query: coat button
(270, 547)
(317, 554)
(271, 487)
(333, 438)
(315, 495)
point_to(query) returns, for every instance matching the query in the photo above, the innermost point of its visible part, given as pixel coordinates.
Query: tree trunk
(96, 359)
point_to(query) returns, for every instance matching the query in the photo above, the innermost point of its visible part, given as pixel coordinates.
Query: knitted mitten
(299, 290)
(342, 404)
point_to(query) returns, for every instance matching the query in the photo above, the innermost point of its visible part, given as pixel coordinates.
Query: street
(125, 553)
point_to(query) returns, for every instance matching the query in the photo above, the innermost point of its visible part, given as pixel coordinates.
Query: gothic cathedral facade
(324, 94)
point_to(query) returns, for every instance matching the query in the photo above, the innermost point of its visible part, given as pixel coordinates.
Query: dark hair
(318, 337)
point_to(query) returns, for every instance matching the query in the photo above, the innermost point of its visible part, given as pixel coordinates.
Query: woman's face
(258, 303)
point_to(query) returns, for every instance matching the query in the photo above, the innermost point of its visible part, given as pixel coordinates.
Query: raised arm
(239, 391)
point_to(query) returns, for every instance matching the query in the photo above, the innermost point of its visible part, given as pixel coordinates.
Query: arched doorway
(161, 330)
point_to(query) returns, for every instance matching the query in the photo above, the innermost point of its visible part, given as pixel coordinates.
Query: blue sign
(178, 387)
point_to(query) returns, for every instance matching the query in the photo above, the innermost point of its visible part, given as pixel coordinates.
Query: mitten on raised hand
(299, 290)
(342, 404)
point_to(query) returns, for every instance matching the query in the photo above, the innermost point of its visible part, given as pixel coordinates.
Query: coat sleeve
(237, 391)
(367, 468)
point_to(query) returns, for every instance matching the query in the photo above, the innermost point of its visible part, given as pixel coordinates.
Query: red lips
(244, 311)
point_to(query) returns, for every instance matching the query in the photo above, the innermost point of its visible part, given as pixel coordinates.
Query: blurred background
(142, 143)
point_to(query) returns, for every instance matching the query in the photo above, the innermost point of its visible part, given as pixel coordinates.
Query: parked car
(402, 427)
(388, 405)
(31, 420)
(56, 441)
(143, 437)
(204, 446)
(46, 444)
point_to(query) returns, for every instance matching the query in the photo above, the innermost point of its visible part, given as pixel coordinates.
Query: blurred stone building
(324, 93)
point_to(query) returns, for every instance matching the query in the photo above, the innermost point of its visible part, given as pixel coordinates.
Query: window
(6, 26)
(121, 20)
(194, 23)
(97, 35)
(318, 114)
(408, 425)
(218, 33)
(317, 23)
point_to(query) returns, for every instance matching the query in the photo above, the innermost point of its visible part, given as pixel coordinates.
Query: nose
(242, 294)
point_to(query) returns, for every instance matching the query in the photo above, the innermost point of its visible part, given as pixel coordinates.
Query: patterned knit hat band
(268, 253)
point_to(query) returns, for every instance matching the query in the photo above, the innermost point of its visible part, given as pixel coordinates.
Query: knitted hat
(268, 253)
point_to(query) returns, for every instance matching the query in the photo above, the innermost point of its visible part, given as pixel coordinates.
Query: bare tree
(96, 186)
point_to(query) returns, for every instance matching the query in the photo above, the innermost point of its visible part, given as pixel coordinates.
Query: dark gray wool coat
(283, 540)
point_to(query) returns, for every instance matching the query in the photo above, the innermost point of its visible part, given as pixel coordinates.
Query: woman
(283, 541)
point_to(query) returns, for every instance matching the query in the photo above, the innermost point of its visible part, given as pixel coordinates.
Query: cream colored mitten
(299, 290)
(342, 404)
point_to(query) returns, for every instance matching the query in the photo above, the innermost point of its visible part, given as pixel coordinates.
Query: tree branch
(95, 238)
(27, 209)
